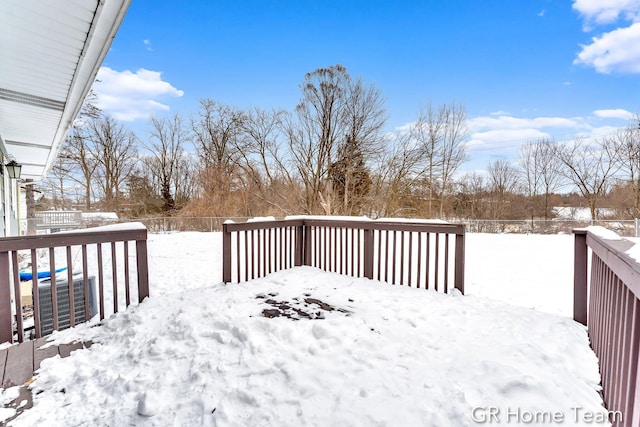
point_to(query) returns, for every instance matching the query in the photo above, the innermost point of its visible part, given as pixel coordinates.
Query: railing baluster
(100, 281)
(54, 287)
(85, 283)
(394, 259)
(428, 263)
(401, 260)
(436, 266)
(72, 314)
(419, 263)
(246, 255)
(410, 259)
(6, 334)
(127, 294)
(17, 294)
(238, 258)
(114, 275)
(35, 293)
(446, 263)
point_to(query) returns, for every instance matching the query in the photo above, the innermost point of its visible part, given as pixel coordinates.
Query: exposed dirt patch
(296, 309)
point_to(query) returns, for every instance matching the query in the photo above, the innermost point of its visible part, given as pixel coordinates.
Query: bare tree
(364, 116)
(453, 150)
(396, 175)
(114, 150)
(590, 167)
(541, 173)
(75, 156)
(473, 187)
(627, 145)
(264, 163)
(440, 132)
(313, 137)
(503, 182)
(167, 139)
(216, 128)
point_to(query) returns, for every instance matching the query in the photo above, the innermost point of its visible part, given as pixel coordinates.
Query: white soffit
(50, 52)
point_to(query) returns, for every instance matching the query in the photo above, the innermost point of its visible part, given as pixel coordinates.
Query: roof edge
(109, 15)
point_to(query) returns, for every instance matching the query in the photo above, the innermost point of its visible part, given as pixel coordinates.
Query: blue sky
(524, 69)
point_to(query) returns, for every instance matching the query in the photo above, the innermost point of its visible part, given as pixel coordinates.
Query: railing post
(307, 245)
(298, 255)
(368, 253)
(143, 268)
(459, 260)
(6, 325)
(580, 276)
(226, 254)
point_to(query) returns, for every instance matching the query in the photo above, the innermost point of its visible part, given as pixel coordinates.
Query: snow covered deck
(307, 347)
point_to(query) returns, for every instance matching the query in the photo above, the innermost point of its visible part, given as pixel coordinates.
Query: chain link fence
(627, 228)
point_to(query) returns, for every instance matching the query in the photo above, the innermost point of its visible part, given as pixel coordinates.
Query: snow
(580, 214)
(100, 215)
(603, 233)
(305, 347)
(330, 217)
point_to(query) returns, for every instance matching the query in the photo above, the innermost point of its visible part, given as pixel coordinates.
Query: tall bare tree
(313, 137)
(364, 119)
(75, 156)
(216, 129)
(590, 167)
(541, 174)
(440, 132)
(113, 148)
(264, 163)
(167, 139)
(627, 143)
(503, 181)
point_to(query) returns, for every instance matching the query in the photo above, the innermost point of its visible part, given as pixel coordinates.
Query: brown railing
(419, 254)
(75, 285)
(610, 308)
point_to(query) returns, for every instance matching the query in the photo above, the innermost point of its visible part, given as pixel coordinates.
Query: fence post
(6, 325)
(226, 254)
(580, 276)
(143, 268)
(368, 253)
(459, 260)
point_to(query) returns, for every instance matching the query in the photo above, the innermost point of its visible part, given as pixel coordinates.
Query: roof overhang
(50, 53)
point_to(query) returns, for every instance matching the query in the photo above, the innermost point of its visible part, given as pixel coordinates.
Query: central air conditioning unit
(62, 292)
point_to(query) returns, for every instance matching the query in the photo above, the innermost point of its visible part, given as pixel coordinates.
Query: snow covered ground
(304, 347)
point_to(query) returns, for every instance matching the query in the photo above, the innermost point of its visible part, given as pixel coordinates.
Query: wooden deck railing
(81, 272)
(419, 254)
(610, 308)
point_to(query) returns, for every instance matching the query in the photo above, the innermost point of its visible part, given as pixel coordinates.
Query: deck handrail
(9, 272)
(607, 301)
(399, 251)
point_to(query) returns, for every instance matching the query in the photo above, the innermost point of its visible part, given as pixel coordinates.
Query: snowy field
(304, 347)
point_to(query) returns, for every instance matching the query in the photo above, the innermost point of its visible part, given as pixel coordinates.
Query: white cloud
(618, 113)
(510, 122)
(541, 13)
(130, 96)
(505, 138)
(147, 43)
(607, 11)
(618, 50)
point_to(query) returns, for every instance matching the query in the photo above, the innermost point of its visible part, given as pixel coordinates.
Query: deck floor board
(39, 353)
(19, 364)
